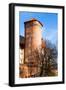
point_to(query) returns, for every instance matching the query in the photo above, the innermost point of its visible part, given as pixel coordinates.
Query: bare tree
(46, 59)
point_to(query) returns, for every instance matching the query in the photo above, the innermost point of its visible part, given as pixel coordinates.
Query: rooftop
(33, 19)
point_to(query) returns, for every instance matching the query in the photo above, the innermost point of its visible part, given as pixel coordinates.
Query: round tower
(33, 40)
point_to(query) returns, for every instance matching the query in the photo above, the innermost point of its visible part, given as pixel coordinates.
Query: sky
(49, 21)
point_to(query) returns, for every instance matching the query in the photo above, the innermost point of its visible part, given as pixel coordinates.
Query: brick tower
(33, 41)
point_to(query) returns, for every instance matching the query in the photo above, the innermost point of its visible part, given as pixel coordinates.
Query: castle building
(32, 42)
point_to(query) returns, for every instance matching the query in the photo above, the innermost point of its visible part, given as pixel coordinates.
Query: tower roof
(33, 19)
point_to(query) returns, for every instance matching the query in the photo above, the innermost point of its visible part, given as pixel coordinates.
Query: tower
(33, 41)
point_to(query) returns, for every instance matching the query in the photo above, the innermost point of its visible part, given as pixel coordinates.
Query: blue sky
(49, 21)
